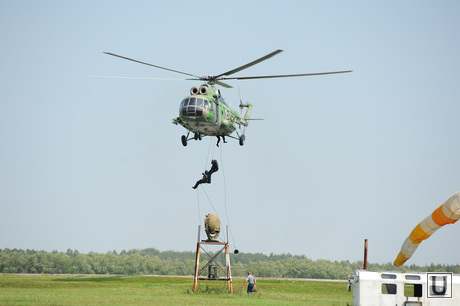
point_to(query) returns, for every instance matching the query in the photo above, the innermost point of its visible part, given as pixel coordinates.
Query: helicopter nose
(195, 106)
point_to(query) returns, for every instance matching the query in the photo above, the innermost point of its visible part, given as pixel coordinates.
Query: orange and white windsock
(447, 213)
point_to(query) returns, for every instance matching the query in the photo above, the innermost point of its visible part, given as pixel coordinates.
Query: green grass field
(96, 289)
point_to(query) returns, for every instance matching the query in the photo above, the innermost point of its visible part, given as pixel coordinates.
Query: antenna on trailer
(365, 255)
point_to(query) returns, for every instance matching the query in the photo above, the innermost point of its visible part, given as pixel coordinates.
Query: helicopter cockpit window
(199, 102)
(206, 104)
(190, 110)
(183, 107)
(192, 101)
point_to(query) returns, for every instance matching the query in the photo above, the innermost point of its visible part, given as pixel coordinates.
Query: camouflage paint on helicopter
(206, 112)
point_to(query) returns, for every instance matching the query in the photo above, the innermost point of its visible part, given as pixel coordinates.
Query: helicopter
(206, 113)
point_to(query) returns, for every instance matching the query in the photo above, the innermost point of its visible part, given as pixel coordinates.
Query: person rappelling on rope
(218, 139)
(207, 174)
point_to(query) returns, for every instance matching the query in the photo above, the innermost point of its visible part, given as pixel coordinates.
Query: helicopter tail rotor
(241, 101)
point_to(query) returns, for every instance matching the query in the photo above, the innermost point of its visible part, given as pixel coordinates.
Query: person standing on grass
(252, 283)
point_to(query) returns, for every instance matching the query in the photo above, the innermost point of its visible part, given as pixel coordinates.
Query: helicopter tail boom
(248, 111)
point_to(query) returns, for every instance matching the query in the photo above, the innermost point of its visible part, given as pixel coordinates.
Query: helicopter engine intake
(195, 90)
(204, 90)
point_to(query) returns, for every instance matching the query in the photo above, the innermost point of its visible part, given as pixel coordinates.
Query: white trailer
(405, 288)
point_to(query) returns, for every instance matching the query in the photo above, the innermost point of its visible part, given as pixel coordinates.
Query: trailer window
(413, 290)
(412, 277)
(388, 288)
(389, 276)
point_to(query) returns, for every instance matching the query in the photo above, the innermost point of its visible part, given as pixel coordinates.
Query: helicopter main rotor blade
(133, 78)
(223, 84)
(214, 81)
(249, 64)
(284, 75)
(133, 60)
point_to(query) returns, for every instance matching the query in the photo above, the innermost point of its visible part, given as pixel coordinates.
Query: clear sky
(96, 164)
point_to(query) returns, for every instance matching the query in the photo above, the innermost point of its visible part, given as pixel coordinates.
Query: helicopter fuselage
(205, 112)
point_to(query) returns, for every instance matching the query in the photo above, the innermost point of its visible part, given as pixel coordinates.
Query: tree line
(154, 262)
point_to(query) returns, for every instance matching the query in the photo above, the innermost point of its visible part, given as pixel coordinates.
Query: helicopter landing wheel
(184, 140)
(242, 139)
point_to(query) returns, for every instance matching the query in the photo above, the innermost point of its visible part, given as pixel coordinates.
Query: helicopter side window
(206, 104)
(223, 101)
(192, 101)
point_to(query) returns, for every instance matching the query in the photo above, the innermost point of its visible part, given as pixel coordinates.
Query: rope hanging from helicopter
(206, 194)
(197, 194)
(225, 199)
(211, 144)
